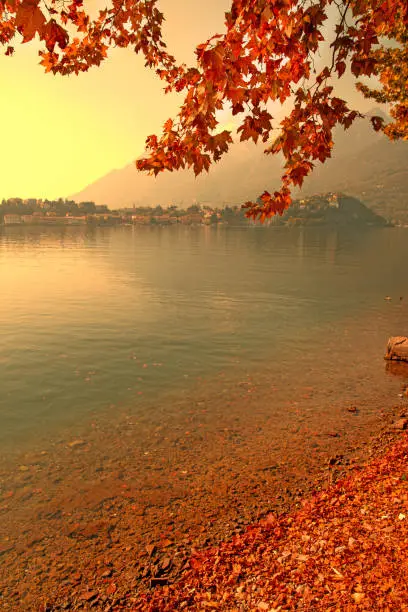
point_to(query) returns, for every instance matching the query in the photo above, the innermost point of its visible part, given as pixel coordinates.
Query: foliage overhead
(269, 52)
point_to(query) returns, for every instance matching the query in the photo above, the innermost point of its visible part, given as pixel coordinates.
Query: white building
(12, 219)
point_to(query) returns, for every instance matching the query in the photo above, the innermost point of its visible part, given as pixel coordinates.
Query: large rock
(397, 348)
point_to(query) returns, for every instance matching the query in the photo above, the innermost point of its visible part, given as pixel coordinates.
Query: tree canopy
(268, 52)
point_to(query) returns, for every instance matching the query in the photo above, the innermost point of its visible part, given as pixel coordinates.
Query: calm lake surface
(93, 320)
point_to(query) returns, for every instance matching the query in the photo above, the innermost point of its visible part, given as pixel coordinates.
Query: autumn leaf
(340, 67)
(29, 19)
(48, 61)
(377, 122)
(54, 34)
(168, 125)
(195, 563)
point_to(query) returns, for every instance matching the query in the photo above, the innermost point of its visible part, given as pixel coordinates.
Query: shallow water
(97, 318)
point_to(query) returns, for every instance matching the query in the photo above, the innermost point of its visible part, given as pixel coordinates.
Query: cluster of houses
(318, 202)
(15, 211)
(117, 218)
(203, 217)
(38, 219)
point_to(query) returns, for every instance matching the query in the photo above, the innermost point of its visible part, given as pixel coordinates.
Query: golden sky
(61, 133)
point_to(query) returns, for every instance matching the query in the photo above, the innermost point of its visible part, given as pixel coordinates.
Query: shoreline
(101, 546)
(344, 548)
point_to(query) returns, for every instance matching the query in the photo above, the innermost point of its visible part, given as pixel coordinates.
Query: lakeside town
(319, 209)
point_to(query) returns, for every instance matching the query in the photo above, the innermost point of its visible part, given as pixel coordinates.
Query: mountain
(369, 166)
(239, 176)
(365, 164)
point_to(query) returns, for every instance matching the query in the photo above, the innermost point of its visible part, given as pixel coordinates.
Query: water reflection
(86, 314)
(397, 368)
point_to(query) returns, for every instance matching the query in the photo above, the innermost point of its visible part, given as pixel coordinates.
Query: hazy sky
(61, 133)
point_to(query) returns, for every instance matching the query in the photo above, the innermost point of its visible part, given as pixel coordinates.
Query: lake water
(91, 319)
(164, 387)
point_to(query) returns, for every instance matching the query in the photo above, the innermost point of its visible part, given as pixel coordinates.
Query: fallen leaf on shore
(310, 548)
(358, 597)
(89, 595)
(150, 549)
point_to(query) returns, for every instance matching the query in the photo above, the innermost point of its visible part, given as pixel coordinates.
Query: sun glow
(61, 133)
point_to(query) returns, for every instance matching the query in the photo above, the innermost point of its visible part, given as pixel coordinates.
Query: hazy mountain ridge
(239, 176)
(369, 166)
(365, 164)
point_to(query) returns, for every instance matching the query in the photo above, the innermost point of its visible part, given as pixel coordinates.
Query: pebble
(400, 424)
(76, 443)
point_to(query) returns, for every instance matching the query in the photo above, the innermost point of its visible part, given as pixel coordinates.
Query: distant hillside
(368, 166)
(331, 209)
(365, 164)
(239, 176)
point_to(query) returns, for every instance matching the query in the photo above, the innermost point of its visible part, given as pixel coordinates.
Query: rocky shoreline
(84, 528)
(344, 549)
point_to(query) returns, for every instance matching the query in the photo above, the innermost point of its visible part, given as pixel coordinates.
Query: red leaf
(377, 122)
(52, 34)
(29, 19)
(196, 564)
(340, 67)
